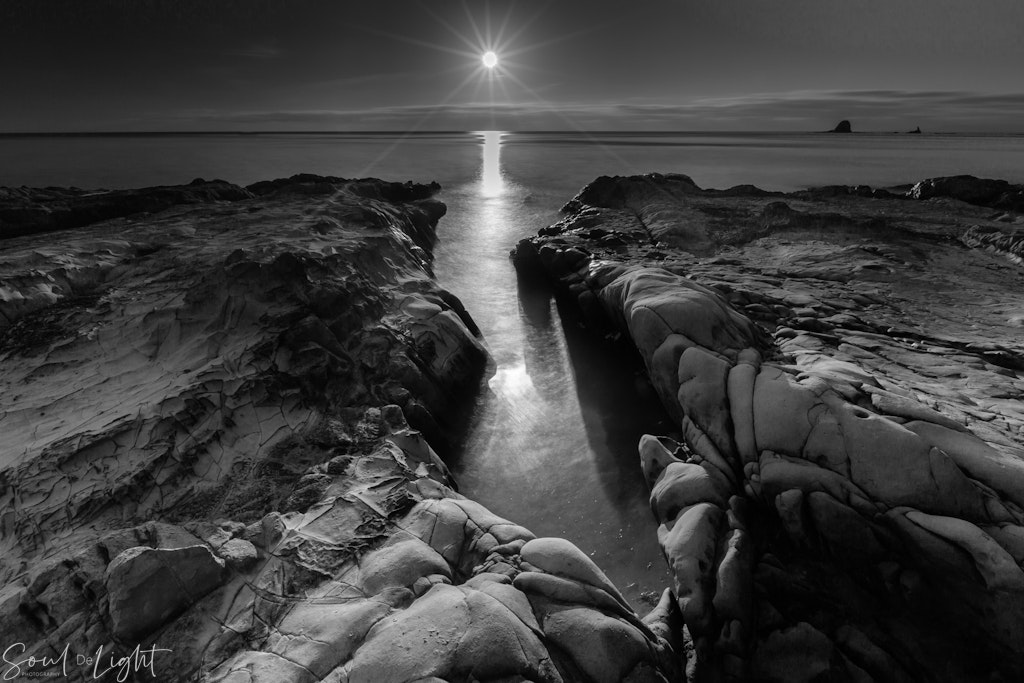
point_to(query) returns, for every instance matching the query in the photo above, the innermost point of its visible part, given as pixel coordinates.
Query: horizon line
(421, 133)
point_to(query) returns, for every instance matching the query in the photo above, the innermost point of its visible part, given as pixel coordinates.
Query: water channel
(553, 442)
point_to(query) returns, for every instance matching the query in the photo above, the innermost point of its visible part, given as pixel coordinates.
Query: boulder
(560, 557)
(239, 554)
(603, 648)
(684, 484)
(150, 586)
(691, 546)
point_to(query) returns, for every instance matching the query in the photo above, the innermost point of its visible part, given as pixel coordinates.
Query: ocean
(553, 442)
(560, 162)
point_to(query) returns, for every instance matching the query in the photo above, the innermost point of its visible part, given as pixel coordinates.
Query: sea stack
(843, 127)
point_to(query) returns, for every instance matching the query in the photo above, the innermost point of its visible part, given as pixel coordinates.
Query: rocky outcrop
(842, 127)
(997, 194)
(217, 427)
(448, 592)
(28, 211)
(844, 499)
(1010, 245)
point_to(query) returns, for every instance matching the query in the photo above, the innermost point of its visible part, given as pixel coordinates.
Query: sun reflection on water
(491, 182)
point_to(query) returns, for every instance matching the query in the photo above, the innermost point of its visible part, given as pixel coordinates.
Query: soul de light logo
(100, 665)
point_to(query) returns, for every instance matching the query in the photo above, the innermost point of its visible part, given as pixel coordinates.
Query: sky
(405, 65)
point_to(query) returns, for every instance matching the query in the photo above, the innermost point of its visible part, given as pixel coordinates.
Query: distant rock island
(845, 127)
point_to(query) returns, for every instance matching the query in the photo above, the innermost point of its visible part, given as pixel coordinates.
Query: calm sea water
(553, 443)
(558, 162)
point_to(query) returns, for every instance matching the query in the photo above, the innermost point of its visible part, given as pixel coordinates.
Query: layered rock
(214, 425)
(844, 499)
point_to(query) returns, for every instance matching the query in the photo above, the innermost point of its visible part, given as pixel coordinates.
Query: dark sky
(101, 65)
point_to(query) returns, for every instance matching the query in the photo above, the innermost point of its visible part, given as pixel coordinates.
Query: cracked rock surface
(216, 430)
(844, 498)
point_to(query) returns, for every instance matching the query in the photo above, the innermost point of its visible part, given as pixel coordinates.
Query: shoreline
(332, 366)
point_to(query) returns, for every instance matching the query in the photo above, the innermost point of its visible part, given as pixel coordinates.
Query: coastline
(259, 377)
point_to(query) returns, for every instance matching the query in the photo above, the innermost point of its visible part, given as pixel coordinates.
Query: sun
(490, 59)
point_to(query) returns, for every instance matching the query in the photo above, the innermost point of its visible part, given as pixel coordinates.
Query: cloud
(869, 110)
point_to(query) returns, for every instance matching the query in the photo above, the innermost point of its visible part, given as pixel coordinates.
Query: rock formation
(996, 194)
(842, 127)
(216, 425)
(844, 499)
(26, 210)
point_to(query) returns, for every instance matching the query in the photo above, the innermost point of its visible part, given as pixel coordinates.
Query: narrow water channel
(553, 442)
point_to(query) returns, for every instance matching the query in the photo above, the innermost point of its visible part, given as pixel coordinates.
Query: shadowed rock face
(212, 441)
(844, 499)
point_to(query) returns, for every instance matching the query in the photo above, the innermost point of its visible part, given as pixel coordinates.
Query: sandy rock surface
(217, 433)
(844, 499)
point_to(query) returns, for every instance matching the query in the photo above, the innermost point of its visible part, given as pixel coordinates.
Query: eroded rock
(862, 466)
(148, 587)
(268, 382)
